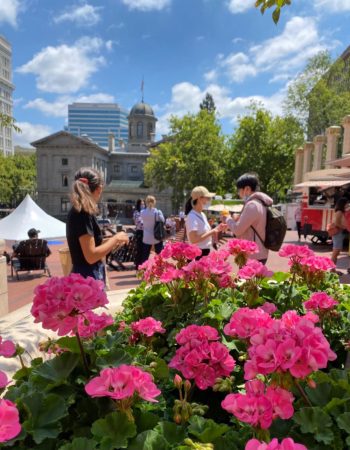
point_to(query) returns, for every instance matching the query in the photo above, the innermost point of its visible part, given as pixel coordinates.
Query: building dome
(141, 109)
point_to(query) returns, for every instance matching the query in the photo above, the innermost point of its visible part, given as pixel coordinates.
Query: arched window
(130, 130)
(139, 129)
(64, 180)
(149, 129)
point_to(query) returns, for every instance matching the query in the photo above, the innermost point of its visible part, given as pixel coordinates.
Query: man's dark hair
(248, 179)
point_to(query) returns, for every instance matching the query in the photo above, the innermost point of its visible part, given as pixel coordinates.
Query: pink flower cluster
(320, 301)
(200, 357)
(3, 380)
(286, 444)
(123, 382)
(180, 251)
(154, 268)
(295, 252)
(291, 344)
(58, 303)
(254, 269)
(260, 406)
(317, 264)
(9, 420)
(242, 246)
(7, 348)
(148, 326)
(90, 323)
(213, 267)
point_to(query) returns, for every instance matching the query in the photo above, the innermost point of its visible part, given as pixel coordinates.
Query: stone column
(4, 303)
(318, 143)
(332, 134)
(308, 147)
(298, 168)
(346, 136)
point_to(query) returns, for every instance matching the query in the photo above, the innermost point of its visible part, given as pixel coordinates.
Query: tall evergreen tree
(208, 103)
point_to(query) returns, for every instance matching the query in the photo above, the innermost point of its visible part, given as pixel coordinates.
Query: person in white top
(148, 216)
(198, 230)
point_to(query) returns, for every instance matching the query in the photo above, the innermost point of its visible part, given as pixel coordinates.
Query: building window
(64, 180)
(116, 168)
(149, 130)
(139, 129)
(64, 161)
(134, 169)
(64, 205)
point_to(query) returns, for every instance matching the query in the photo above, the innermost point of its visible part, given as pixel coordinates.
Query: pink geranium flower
(90, 323)
(123, 382)
(201, 357)
(321, 301)
(295, 252)
(286, 444)
(9, 420)
(260, 406)
(148, 326)
(7, 348)
(3, 380)
(239, 246)
(245, 321)
(254, 269)
(58, 302)
(317, 263)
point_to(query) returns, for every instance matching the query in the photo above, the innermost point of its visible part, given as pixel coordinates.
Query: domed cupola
(142, 123)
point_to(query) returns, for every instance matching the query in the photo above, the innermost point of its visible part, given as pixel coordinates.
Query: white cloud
(186, 98)
(9, 10)
(281, 55)
(239, 6)
(30, 132)
(238, 66)
(147, 5)
(211, 75)
(110, 44)
(237, 40)
(65, 69)
(85, 15)
(334, 6)
(59, 108)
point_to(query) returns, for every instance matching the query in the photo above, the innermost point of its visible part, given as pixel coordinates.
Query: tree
(266, 4)
(194, 155)
(17, 178)
(266, 145)
(320, 95)
(8, 121)
(208, 103)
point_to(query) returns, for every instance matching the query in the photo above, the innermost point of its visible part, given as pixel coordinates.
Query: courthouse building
(61, 154)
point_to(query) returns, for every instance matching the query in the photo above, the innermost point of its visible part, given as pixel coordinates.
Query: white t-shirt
(198, 222)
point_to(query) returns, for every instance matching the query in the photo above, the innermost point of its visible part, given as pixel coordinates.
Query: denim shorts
(96, 271)
(338, 240)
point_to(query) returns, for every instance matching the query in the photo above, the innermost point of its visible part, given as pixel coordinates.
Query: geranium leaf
(115, 358)
(80, 444)
(343, 422)
(174, 434)
(149, 440)
(316, 422)
(206, 430)
(58, 368)
(113, 431)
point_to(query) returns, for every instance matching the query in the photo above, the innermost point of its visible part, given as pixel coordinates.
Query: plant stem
(302, 393)
(22, 362)
(83, 355)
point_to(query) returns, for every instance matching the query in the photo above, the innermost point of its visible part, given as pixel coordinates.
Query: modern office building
(97, 120)
(6, 90)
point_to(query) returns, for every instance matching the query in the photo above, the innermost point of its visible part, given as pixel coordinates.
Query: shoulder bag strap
(255, 232)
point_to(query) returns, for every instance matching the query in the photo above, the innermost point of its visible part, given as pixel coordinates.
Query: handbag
(159, 231)
(332, 229)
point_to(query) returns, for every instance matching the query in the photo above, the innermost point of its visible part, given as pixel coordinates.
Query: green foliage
(17, 178)
(113, 431)
(266, 145)
(193, 155)
(208, 103)
(277, 4)
(8, 121)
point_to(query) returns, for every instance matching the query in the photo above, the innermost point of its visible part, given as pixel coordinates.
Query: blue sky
(89, 50)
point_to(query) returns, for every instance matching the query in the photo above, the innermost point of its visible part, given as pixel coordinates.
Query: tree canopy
(17, 178)
(208, 103)
(266, 145)
(193, 155)
(277, 4)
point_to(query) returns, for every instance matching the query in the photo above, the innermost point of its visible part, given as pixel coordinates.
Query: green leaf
(276, 15)
(69, 343)
(174, 434)
(161, 370)
(206, 430)
(59, 368)
(145, 420)
(149, 440)
(114, 358)
(343, 422)
(80, 444)
(113, 431)
(316, 422)
(44, 414)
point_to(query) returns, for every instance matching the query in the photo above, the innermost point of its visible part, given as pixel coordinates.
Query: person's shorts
(338, 241)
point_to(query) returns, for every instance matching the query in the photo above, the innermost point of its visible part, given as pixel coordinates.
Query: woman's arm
(92, 254)
(195, 237)
(338, 219)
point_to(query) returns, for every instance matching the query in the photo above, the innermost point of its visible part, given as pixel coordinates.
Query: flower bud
(311, 383)
(177, 419)
(187, 386)
(177, 381)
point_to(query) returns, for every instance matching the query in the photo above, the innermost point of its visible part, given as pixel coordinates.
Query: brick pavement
(21, 292)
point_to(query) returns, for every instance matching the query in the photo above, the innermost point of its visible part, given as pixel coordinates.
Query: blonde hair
(86, 181)
(150, 201)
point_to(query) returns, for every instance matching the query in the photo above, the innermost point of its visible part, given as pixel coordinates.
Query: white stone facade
(6, 90)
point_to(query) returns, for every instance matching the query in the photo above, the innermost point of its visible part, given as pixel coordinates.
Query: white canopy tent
(29, 215)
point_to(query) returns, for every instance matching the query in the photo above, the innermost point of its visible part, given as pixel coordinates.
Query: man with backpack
(256, 215)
